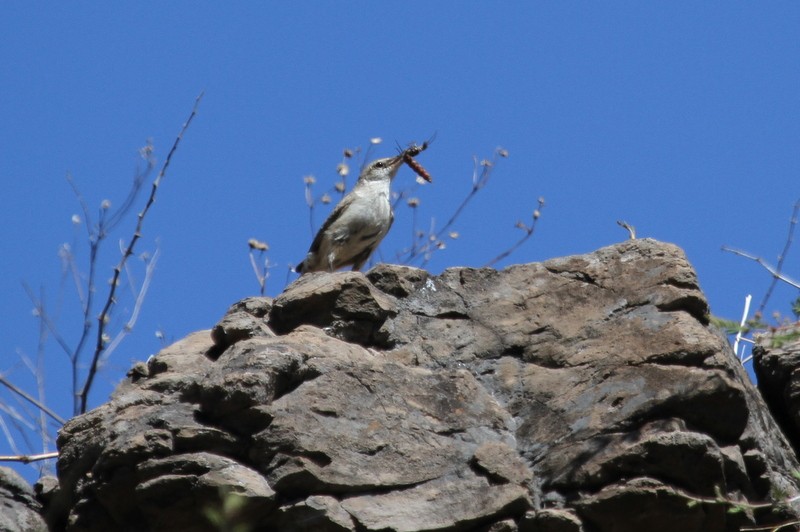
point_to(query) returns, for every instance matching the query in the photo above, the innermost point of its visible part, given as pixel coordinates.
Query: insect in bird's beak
(408, 154)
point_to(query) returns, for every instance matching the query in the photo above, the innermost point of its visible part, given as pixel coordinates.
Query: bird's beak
(395, 164)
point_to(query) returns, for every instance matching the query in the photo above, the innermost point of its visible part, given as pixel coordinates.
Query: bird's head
(382, 169)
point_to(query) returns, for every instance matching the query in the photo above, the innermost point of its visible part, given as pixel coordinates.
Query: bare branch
(28, 458)
(139, 178)
(87, 217)
(137, 307)
(100, 343)
(42, 314)
(482, 171)
(771, 269)
(781, 257)
(35, 402)
(529, 230)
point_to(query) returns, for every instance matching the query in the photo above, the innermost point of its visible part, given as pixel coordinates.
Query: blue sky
(682, 118)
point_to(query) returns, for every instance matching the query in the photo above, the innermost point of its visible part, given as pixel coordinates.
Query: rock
(502, 463)
(346, 304)
(19, 509)
(776, 359)
(647, 504)
(446, 503)
(581, 393)
(245, 319)
(550, 520)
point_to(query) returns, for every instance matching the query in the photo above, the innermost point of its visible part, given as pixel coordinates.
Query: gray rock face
(19, 509)
(776, 359)
(581, 394)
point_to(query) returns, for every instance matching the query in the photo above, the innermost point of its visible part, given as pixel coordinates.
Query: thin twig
(99, 346)
(781, 257)
(764, 264)
(529, 230)
(41, 313)
(746, 311)
(137, 307)
(139, 178)
(28, 458)
(770, 528)
(482, 171)
(259, 277)
(5, 382)
(7, 434)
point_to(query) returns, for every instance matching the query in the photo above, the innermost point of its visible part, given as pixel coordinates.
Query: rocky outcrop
(580, 394)
(19, 509)
(776, 361)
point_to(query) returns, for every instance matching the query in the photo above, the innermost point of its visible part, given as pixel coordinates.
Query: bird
(356, 226)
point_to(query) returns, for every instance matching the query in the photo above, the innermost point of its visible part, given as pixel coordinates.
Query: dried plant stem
(35, 402)
(781, 257)
(111, 300)
(529, 230)
(28, 458)
(764, 264)
(137, 307)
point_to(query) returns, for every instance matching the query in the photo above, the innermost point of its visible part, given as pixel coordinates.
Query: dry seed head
(342, 169)
(105, 204)
(413, 202)
(76, 219)
(454, 234)
(536, 214)
(502, 152)
(257, 244)
(325, 199)
(339, 186)
(309, 180)
(375, 140)
(348, 153)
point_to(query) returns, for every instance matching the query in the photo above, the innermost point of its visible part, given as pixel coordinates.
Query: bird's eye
(379, 164)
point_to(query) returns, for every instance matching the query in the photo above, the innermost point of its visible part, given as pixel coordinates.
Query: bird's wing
(332, 217)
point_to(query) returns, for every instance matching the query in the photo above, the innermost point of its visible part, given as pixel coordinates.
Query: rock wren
(358, 223)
